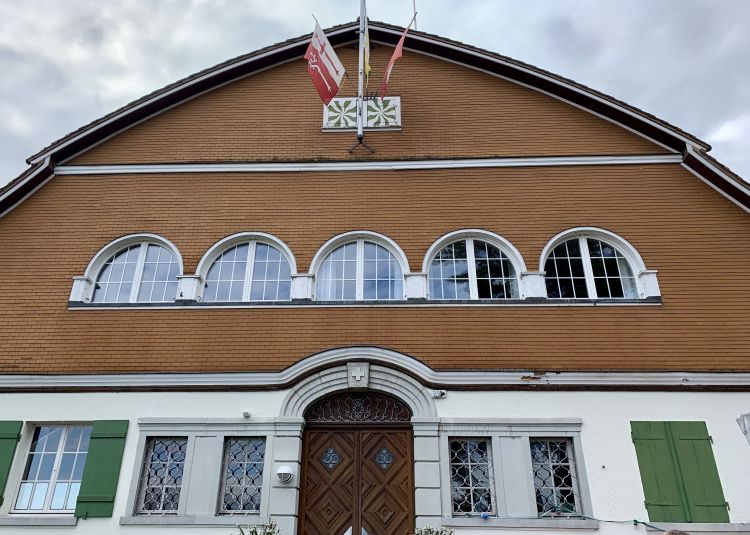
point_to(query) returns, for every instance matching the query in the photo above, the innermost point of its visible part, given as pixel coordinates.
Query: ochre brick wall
(448, 111)
(695, 238)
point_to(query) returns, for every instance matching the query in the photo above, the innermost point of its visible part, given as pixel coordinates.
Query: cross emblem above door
(359, 374)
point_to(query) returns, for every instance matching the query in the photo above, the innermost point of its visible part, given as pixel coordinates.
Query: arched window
(143, 272)
(472, 269)
(360, 270)
(249, 271)
(588, 266)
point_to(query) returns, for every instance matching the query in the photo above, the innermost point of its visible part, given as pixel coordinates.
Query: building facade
(526, 310)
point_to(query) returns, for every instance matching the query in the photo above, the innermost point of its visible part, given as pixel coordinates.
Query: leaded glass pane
(555, 482)
(613, 277)
(161, 481)
(565, 277)
(242, 475)
(44, 488)
(471, 476)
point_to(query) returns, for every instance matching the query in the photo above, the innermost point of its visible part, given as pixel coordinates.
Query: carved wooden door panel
(328, 499)
(386, 488)
(357, 470)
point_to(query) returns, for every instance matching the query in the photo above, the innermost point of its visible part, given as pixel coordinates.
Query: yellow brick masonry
(695, 238)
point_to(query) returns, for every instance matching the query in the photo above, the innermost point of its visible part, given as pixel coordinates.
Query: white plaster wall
(611, 465)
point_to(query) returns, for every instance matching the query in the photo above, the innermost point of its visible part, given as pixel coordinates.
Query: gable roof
(693, 149)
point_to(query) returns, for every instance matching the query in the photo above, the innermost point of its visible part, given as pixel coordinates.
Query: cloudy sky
(65, 63)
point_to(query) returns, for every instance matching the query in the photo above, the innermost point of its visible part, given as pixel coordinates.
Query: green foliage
(434, 531)
(269, 528)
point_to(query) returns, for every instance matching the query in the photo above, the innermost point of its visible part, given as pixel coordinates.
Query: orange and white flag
(324, 66)
(396, 54)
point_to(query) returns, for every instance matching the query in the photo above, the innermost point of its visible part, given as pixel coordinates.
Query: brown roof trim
(557, 86)
(202, 81)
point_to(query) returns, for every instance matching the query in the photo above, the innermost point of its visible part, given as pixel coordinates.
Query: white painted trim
(24, 181)
(359, 236)
(223, 244)
(392, 359)
(379, 165)
(743, 186)
(470, 234)
(646, 283)
(83, 286)
(712, 186)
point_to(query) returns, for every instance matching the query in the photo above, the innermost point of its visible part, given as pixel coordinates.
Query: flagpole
(360, 80)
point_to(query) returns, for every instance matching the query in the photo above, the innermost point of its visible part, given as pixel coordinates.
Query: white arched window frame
(645, 279)
(253, 239)
(85, 285)
(468, 236)
(359, 238)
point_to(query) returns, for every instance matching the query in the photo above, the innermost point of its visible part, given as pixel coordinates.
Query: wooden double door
(357, 480)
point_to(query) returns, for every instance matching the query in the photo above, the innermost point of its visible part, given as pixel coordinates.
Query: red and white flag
(396, 54)
(324, 66)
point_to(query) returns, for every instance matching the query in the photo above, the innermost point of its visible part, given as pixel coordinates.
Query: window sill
(520, 523)
(192, 520)
(702, 527)
(38, 520)
(306, 303)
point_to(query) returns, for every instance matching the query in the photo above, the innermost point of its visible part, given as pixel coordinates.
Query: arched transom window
(472, 269)
(140, 273)
(585, 267)
(360, 270)
(250, 271)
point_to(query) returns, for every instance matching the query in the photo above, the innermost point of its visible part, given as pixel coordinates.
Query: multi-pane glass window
(141, 273)
(472, 269)
(554, 475)
(588, 268)
(471, 476)
(54, 467)
(360, 270)
(252, 271)
(242, 475)
(161, 480)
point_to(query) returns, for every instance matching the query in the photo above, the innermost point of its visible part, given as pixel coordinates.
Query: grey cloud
(67, 63)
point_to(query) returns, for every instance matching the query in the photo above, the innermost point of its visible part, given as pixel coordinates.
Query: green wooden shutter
(662, 486)
(10, 432)
(102, 470)
(697, 466)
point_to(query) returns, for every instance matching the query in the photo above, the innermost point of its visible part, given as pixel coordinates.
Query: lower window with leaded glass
(161, 480)
(242, 475)
(471, 476)
(555, 481)
(511, 473)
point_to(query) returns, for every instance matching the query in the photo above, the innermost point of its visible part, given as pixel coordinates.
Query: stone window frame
(199, 503)
(511, 461)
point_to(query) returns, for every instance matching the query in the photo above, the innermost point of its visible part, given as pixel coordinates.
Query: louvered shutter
(102, 470)
(662, 486)
(10, 432)
(695, 459)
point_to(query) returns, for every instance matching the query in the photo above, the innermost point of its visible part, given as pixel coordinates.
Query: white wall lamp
(284, 474)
